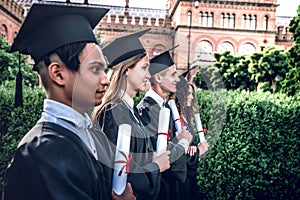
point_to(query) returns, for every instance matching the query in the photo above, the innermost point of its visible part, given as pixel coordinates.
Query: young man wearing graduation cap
(57, 158)
(163, 81)
(129, 63)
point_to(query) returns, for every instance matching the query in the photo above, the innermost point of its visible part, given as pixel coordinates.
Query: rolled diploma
(163, 128)
(199, 127)
(123, 144)
(175, 115)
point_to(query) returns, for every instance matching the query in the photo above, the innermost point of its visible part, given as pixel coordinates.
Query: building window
(266, 23)
(249, 22)
(244, 21)
(222, 19)
(232, 21)
(201, 16)
(210, 20)
(226, 46)
(247, 49)
(158, 49)
(190, 18)
(227, 20)
(203, 53)
(206, 19)
(253, 22)
(3, 31)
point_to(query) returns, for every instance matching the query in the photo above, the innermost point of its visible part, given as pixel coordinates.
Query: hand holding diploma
(126, 195)
(163, 129)
(122, 159)
(175, 115)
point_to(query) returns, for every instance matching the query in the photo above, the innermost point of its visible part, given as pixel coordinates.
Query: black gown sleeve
(54, 167)
(144, 176)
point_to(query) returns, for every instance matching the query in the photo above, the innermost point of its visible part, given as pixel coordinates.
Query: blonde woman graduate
(118, 118)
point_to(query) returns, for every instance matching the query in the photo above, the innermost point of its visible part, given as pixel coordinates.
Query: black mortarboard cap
(161, 62)
(188, 70)
(50, 26)
(124, 48)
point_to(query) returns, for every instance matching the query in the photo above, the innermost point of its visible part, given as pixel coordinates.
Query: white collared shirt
(159, 100)
(129, 102)
(70, 119)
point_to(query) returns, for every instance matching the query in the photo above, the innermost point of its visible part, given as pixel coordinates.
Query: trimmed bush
(254, 141)
(257, 155)
(16, 122)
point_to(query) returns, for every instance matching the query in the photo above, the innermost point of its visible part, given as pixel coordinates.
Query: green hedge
(254, 140)
(257, 155)
(16, 122)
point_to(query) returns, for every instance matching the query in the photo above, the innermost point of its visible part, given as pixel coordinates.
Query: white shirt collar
(128, 100)
(159, 100)
(69, 118)
(130, 103)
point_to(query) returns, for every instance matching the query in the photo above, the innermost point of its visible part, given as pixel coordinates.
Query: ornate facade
(217, 26)
(199, 27)
(11, 17)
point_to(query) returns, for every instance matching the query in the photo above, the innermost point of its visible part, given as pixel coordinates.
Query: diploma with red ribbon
(163, 130)
(199, 127)
(122, 159)
(175, 115)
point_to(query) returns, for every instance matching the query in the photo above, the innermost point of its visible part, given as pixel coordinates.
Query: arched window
(244, 21)
(227, 20)
(222, 20)
(226, 46)
(158, 49)
(247, 49)
(248, 22)
(201, 16)
(190, 18)
(232, 21)
(210, 20)
(206, 19)
(3, 31)
(266, 23)
(253, 22)
(203, 53)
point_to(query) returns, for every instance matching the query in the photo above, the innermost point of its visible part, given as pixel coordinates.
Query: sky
(285, 8)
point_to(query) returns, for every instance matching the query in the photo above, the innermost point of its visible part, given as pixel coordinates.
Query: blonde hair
(118, 83)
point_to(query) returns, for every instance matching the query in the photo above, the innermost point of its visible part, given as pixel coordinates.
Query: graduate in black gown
(129, 65)
(57, 158)
(163, 80)
(185, 100)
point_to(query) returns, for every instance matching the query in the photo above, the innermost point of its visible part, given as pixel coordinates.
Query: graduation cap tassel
(19, 91)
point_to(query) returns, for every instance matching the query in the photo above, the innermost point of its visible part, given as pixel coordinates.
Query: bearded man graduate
(58, 158)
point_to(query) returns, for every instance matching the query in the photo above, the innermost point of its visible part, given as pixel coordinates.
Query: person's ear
(157, 78)
(57, 73)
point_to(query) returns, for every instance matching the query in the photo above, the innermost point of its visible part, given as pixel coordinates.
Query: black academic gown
(149, 111)
(54, 164)
(144, 175)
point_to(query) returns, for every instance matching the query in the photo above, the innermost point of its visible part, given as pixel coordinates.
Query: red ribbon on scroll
(127, 162)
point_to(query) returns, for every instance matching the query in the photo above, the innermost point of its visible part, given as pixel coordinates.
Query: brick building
(11, 17)
(199, 27)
